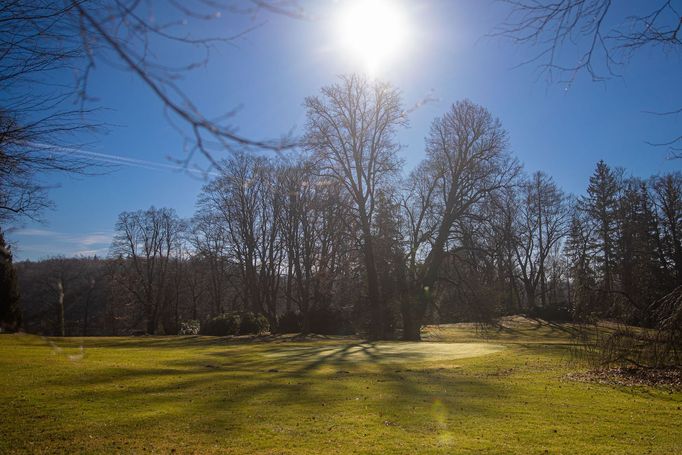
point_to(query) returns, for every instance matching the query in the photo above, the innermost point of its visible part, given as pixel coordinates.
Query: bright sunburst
(372, 31)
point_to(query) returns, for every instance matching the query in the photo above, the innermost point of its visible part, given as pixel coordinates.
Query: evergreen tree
(667, 194)
(582, 275)
(639, 266)
(601, 208)
(10, 316)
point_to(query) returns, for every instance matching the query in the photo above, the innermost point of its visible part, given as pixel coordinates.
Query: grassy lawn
(462, 392)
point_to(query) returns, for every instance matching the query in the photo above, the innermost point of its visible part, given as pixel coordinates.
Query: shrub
(222, 325)
(253, 323)
(190, 327)
(559, 312)
(289, 322)
(330, 321)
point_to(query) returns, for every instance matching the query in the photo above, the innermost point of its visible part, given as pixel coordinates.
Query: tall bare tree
(145, 243)
(542, 225)
(245, 200)
(311, 225)
(467, 160)
(350, 130)
(210, 241)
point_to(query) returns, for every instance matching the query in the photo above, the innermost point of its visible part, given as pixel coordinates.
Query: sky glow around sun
(373, 32)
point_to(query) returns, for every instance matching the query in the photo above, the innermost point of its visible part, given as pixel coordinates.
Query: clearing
(463, 391)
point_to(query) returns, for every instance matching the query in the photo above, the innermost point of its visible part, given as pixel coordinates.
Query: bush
(190, 327)
(330, 321)
(222, 325)
(253, 324)
(289, 322)
(559, 312)
(236, 324)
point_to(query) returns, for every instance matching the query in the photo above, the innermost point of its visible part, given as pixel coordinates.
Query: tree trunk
(87, 311)
(151, 319)
(305, 322)
(376, 328)
(415, 310)
(530, 298)
(421, 291)
(411, 326)
(60, 308)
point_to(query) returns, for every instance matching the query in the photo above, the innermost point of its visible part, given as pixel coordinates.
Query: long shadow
(224, 390)
(546, 330)
(189, 341)
(291, 386)
(214, 394)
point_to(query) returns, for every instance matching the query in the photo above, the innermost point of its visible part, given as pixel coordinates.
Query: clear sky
(562, 130)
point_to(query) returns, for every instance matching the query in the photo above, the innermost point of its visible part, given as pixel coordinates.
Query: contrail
(121, 160)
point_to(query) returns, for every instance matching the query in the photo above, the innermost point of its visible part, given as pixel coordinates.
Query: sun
(374, 32)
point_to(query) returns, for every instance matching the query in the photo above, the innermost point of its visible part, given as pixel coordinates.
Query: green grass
(465, 391)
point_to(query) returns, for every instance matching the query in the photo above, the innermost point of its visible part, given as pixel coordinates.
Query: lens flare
(373, 31)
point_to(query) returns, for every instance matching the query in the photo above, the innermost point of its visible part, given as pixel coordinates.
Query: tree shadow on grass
(190, 341)
(278, 384)
(534, 330)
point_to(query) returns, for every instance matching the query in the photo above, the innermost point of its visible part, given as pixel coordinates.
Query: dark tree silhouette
(600, 206)
(10, 314)
(351, 131)
(467, 161)
(146, 241)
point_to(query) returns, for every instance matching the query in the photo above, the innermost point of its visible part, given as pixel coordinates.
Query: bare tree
(210, 240)
(128, 33)
(350, 131)
(25, 155)
(36, 120)
(467, 161)
(542, 224)
(244, 200)
(594, 36)
(504, 220)
(304, 234)
(145, 243)
(47, 41)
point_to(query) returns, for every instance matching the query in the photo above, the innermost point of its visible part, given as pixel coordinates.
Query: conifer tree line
(336, 238)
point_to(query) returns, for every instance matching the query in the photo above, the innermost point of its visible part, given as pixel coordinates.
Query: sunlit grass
(213, 395)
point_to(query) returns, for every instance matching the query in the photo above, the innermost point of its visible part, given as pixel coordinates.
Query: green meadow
(464, 390)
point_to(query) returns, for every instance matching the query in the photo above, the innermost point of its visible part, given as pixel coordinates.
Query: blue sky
(559, 129)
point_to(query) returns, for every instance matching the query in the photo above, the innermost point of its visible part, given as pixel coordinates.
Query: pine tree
(10, 316)
(582, 281)
(638, 262)
(601, 207)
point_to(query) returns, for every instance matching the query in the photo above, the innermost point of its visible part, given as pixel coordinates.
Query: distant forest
(335, 238)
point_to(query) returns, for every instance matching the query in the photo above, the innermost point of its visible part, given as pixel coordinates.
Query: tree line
(334, 238)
